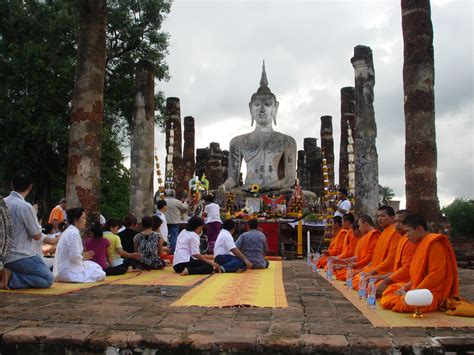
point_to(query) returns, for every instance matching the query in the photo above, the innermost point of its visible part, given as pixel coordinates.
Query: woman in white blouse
(71, 263)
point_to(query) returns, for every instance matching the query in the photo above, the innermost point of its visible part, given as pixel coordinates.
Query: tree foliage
(461, 215)
(38, 43)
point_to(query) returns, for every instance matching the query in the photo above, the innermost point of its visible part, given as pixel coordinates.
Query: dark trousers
(194, 267)
(119, 269)
(230, 263)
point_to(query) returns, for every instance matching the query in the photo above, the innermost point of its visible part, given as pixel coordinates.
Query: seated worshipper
(386, 247)
(187, 257)
(149, 245)
(213, 221)
(47, 239)
(350, 243)
(337, 241)
(98, 244)
(253, 244)
(51, 235)
(23, 268)
(128, 232)
(115, 252)
(226, 254)
(364, 248)
(433, 267)
(161, 208)
(165, 250)
(72, 263)
(403, 257)
(58, 214)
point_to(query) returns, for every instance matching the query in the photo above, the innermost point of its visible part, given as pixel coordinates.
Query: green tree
(461, 215)
(387, 194)
(38, 44)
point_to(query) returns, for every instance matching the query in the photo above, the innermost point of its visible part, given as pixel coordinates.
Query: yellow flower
(255, 188)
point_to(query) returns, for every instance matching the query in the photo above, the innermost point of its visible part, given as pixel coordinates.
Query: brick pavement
(136, 319)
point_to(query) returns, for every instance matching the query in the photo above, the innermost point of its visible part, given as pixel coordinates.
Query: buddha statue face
(263, 109)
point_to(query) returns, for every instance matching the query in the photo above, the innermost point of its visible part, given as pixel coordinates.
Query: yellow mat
(165, 277)
(259, 288)
(60, 288)
(386, 318)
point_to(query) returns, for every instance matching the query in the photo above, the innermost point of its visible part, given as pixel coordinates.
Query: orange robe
(384, 254)
(349, 246)
(363, 252)
(401, 268)
(335, 247)
(433, 267)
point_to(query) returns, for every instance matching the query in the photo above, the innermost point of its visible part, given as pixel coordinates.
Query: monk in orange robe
(403, 257)
(364, 249)
(433, 267)
(386, 248)
(350, 241)
(337, 241)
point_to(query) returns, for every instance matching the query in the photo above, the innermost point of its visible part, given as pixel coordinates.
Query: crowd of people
(64, 250)
(399, 254)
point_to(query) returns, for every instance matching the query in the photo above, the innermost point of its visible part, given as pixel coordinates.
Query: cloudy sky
(216, 52)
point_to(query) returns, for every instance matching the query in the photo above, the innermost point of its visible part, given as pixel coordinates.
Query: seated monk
(433, 267)
(386, 247)
(364, 249)
(403, 258)
(337, 241)
(350, 241)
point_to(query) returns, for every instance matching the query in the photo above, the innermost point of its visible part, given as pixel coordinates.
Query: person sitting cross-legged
(187, 257)
(226, 254)
(253, 245)
(149, 244)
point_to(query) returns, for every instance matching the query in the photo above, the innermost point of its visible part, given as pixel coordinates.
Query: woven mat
(386, 318)
(60, 288)
(165, 277)
(259, 288)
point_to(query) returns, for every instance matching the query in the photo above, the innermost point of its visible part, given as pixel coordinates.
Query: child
(98, 244)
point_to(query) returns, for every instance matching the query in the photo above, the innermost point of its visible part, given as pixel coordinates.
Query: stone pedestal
(366, 158)
(143, 139)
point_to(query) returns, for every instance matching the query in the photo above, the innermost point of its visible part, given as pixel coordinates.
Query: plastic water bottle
(362, 285)
(371, 300)
(316, 258)
(329, 269)
(309, 260)
(349, 277)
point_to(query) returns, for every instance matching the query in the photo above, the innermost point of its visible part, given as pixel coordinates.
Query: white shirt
(212, 213)
(224, 243)
(187, 245)
(345, 205)
(163, 226)
(38, 248)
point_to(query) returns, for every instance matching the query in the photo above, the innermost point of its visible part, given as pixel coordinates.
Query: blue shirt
(24, 227)
(253, 244)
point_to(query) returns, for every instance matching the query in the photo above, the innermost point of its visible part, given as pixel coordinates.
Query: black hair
(129, 220)
(209, 198)
(337, 220)
(193, 223)
(74, 214)
(97, 230)
(160, 204)
(156, 222)
(21, 181)
(367, 219)
(147, 222)
(343, 191)
(349, 217)
(404, 213)
(228, 224)
(48, 228)
(62, 226)
(389, 209)
(253, 223)
(112, 222)
(414, 220)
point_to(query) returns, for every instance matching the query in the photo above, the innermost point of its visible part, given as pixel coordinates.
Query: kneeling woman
(187, 257)
(71, 263)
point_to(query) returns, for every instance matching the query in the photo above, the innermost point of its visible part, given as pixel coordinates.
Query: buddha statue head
(263, 104)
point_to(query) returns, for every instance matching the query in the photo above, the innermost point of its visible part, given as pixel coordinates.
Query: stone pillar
(142, 145)
(347, 119)
(300, 166)
(312, 173)
(188, 152)
(366, 159)
(173, 114)
(418, 87)
(327, 145)
(213, 162)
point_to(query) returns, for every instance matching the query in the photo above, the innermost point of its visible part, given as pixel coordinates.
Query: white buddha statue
(270, 155)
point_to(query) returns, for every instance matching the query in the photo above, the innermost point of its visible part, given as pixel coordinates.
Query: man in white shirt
(344, 205)
(226, 254)
(23, 267)
(161, 208)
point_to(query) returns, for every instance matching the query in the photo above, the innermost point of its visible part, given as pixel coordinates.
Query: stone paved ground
(137, 319)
